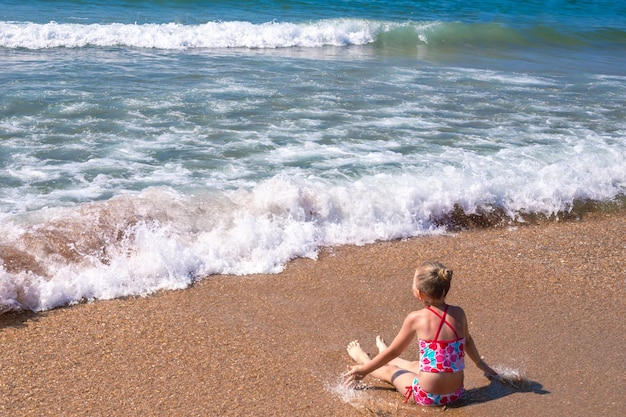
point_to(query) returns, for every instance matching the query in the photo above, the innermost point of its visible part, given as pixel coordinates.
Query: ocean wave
(272, 35)
(160, 239)
(176, 36)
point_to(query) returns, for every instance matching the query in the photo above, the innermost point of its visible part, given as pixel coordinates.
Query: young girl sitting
(443, 338)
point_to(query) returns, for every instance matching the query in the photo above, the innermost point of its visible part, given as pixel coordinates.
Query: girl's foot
(380, 344)
(357, 353)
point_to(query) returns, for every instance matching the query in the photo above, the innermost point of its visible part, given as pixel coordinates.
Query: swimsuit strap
(443, 320)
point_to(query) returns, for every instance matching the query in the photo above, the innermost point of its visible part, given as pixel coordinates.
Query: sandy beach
(546, 300)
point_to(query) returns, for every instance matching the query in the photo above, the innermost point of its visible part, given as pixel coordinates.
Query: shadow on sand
(496, 390)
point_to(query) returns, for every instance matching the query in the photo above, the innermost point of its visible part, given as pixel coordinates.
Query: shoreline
(539, 299)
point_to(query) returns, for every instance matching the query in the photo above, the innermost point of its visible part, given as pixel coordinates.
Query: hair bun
(433, 279)
(444, 274)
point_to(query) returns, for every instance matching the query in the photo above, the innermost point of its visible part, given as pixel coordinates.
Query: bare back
(436, 324)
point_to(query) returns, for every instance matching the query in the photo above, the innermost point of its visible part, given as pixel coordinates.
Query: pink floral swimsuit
(439, 356)
(426, 398)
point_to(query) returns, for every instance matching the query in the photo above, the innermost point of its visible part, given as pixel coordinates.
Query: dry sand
(546, 300)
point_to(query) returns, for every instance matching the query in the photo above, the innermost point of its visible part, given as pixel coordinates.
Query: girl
(443, 338)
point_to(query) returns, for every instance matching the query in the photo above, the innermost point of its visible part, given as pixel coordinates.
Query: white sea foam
(232, 34)
(510, 79)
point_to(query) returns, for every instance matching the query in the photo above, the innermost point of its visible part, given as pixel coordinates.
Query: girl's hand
(489, 372)
(353, 375)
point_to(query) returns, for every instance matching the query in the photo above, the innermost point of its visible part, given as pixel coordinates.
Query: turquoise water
(148, 144)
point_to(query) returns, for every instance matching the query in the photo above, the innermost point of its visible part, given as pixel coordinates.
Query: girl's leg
(393, 374)
(399, 362)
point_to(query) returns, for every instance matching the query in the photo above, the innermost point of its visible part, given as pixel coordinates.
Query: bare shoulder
(452, 309)
(420, 319)
(416, 315)
(415, 318)
(457, 313)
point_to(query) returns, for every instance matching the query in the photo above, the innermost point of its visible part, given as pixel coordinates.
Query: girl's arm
(399, 344)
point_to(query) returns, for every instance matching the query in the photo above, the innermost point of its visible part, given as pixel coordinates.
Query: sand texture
(546, 300)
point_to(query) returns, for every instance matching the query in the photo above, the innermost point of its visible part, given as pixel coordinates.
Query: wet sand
(546, 300)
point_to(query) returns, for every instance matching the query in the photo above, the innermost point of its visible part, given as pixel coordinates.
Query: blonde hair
(433, 279)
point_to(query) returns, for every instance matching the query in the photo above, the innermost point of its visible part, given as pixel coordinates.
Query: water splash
(513, 377)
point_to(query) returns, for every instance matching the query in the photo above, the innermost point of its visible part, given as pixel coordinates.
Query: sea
(149, 144)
